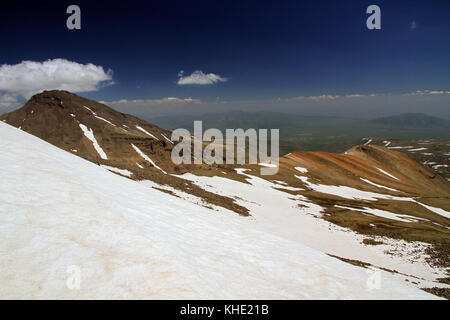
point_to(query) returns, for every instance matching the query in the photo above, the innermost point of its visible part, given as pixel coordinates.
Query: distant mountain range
(413, 120)
(264, 119)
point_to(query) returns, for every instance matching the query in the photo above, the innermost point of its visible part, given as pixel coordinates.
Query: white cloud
(316, 98)
(354, 104)
(30, 77)
(198, 77)
(324, 97)
(426, 92)
(356, 95)
(8, 101)
(331, 97)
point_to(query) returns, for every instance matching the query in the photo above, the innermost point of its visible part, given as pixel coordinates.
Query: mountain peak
(82, 126)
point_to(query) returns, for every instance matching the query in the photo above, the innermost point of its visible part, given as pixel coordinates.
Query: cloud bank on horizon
(27, 78)
(354, 105)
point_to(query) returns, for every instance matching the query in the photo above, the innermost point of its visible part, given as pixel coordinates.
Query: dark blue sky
(266, 49)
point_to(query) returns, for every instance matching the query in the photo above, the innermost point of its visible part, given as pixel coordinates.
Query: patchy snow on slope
(98, 117)
(383, 214)
(294, 217)
(302, 170)
(123, 172)
(186, 196)
(268, 165)
(288, 188)
(107, 121)
(349, 192)
(89, 133)
(146, 132)
(167, 138)
(417, 149)
(388, 174)
(143, 155)
(401, 147)
(439, 211)
(129, 241)
(90, 110)
(378, 185)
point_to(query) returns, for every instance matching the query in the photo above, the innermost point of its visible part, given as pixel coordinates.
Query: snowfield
(132, 241)
(295, 218)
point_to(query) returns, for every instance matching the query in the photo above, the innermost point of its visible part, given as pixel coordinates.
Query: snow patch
(167, 138)
(89, 133)
(349, 192)
(378, 185)
(383, 214)
(107, 121)
(417, 149)
(388, 174)
(146, 132)
(439, 211)
(89, 110)
(401, 147)
(268, 165)
(123, 172)
(143, 155)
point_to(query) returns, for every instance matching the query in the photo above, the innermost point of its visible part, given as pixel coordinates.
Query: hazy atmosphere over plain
(174, 57)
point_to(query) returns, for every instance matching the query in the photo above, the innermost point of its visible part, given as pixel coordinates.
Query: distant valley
(312, 133)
